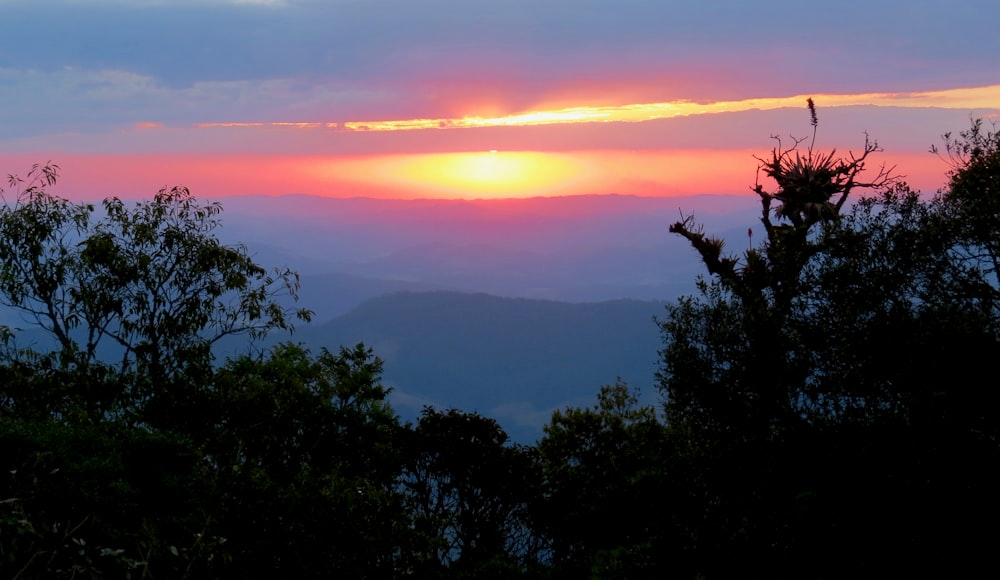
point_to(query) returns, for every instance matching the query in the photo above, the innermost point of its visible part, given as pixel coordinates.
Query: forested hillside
(827, 403)
(513, 359)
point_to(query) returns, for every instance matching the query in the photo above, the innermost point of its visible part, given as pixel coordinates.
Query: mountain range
(509, 308)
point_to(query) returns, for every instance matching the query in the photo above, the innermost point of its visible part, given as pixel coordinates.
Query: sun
(483, 169)
(489, 174)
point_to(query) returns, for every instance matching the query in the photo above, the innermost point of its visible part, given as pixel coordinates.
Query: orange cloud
(979, 97)
(966, 98)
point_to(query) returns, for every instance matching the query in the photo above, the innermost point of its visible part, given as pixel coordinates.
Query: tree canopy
(826, 408)
(142, 290)
(153, 278)
(853, 344)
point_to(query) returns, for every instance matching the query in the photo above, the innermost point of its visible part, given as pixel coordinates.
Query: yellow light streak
(979, 97)
(966, 98)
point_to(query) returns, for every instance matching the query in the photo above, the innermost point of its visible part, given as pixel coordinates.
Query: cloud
(53, 4)
(92, 65)
(71, 100)
(534, 42)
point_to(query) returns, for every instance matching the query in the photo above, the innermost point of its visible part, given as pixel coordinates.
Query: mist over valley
(512, 308)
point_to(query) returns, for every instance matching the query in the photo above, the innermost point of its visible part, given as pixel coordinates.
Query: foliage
(80, 500)
(287, 463)
(827, 406)
(303, 449)
(734, 356)
(849, 346)
(468, 492)
(603, 486)
(152, 280)
(971, 202)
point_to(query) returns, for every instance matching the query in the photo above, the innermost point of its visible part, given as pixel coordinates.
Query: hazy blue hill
(588, 275)
(584, 248)
(581, 277)
(513, 359)
(332, 294)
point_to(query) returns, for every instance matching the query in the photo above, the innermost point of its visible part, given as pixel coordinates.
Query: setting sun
(491, 173)
(486, 174)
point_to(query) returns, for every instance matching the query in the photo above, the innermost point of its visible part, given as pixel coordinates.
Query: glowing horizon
(319, 157)
(472, 175)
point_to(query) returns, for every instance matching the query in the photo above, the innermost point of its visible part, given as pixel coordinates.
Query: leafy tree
(732, 357)
(305, 454)
(89, 501)
(898, 337)
(468, 493)
(819, 387)
(605, 506)
(288, 463)
(971, 201)
(156, 462)
(151, 284)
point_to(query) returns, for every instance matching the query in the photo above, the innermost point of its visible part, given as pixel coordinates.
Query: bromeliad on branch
(812, 187)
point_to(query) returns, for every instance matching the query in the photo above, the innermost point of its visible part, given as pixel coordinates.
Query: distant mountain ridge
(512, 308)
(584, 248)
(513, 359)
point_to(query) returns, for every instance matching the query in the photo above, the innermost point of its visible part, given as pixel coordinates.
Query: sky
(475, 98)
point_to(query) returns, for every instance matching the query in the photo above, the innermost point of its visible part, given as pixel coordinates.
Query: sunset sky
(477, 99)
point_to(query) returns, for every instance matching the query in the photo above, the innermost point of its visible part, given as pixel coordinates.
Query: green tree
(819, 387)
(157, 462)
(288, 462)
(971, 201)
(149, 286)
(106, 500)
(305, 452)
(605, 504)
(731, 356)
(468, 492)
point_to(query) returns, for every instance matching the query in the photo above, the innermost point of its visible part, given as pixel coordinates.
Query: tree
(819, 388)
(605, 507)
(305, 453)
(287, 462)
(39, 232)
(971, 201)
(150, 286)
(732, 357)
(468, 492)
(84, 500)
(156, 461)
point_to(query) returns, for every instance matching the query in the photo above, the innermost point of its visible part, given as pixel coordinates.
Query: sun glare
(520, 174)
(487, 174)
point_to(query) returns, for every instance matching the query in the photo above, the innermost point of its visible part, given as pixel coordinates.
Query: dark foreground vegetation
(829, 406)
